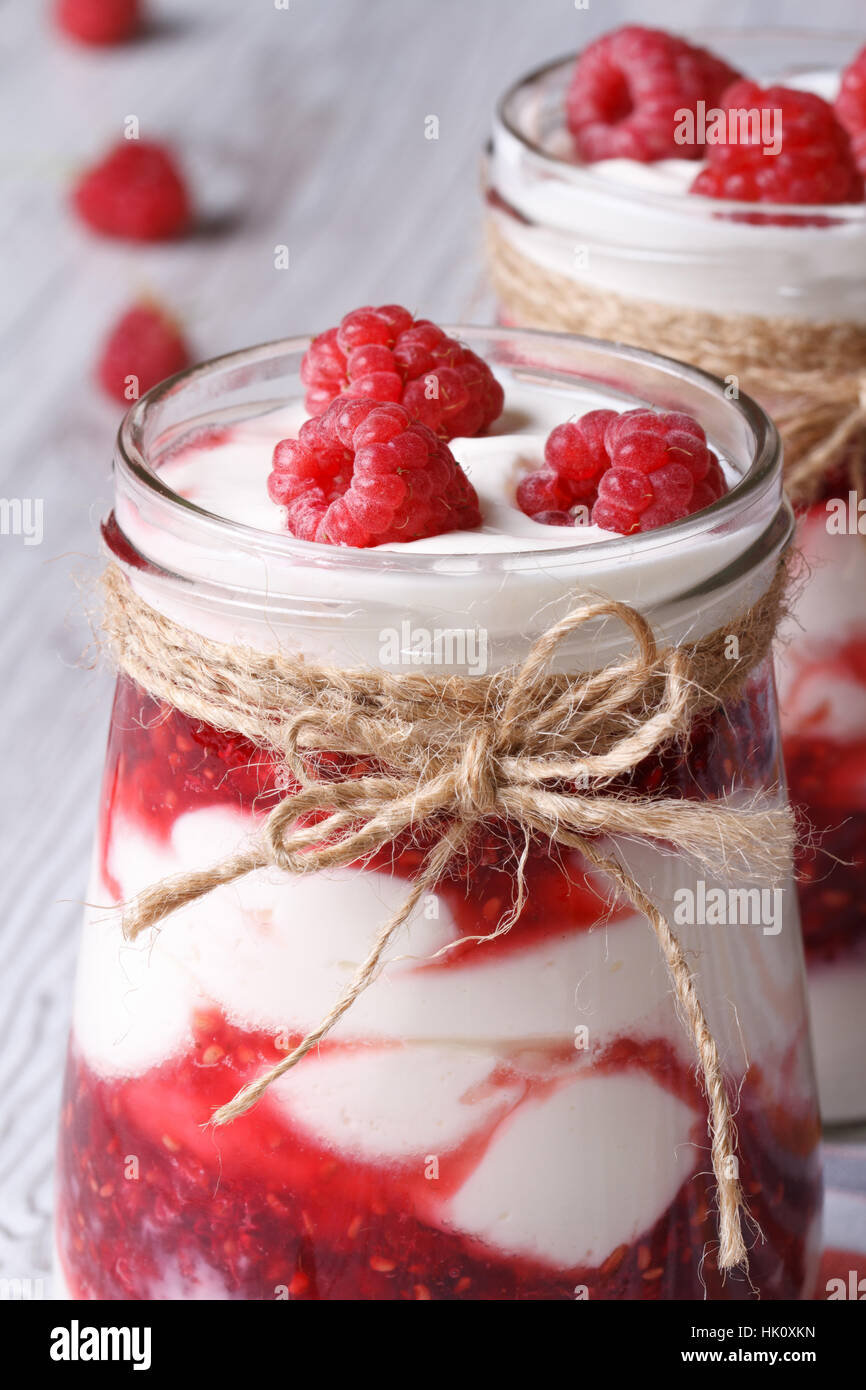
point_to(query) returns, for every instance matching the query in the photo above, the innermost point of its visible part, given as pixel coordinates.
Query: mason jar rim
(701, 208)
(135, 474)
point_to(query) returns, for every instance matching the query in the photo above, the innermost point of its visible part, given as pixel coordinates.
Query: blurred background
(300, 123)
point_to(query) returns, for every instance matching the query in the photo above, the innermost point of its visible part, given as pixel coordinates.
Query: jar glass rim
(700, 208)
(135, 475)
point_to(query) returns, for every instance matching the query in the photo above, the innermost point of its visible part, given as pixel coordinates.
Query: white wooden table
(304, 126)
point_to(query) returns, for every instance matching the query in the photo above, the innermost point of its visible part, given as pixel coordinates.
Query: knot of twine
(478, 778)
(820, 410)
(528, 747)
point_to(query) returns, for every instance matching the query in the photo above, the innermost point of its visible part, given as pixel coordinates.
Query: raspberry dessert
(627, 88)
(136, 192)
(143, 348)
(752, 232)
(504, 1119)
(386, 355)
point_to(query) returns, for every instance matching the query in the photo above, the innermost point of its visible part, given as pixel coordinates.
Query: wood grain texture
(302, 126)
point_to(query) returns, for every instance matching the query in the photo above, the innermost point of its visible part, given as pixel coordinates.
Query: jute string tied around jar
(535, 749)
(811, 376)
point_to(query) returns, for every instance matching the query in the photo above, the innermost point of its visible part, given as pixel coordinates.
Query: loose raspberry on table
(365, 472)
(136, 192)
(627, 88)
(143, 348)
(636, 470)
(850, 107)
(98, 21)
(387, 355)
(815, 162)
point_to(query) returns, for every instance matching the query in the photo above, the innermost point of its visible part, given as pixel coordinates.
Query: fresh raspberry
(144, 347)
(386, 355)
(661, 470)
(709, 488)
(627, 88)
(136, 192)
(98, 21)
(636, 470)
(815, 163)
(543, 494)
(575, 458)
(850, 107)
(576, 451)
(364, 473)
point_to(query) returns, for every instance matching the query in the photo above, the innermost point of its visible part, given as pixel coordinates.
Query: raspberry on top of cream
(371, 467)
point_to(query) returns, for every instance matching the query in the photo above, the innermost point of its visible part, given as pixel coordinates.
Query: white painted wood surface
(303, 126)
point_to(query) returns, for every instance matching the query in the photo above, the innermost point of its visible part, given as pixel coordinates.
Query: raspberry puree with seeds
(516, 1119)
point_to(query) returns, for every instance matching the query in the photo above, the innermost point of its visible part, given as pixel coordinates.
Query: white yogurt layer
(275, 952)
(635, 229)
(525, 1200)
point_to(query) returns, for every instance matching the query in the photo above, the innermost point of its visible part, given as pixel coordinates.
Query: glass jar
(631, 239)
(515, 1119)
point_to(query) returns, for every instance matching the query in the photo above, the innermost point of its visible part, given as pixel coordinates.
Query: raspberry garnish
(851, 107)
(637, 470)
(364, 473)
(98, 21)
(576, 451)
(815, 162)
(575, 458)
(136, 192)
(386, 355)
(144, 347)
(627, 88)
(657, 463)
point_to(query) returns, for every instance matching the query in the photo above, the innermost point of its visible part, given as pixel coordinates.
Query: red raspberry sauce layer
(260, 1211)
(260, 1207)
(161, 764)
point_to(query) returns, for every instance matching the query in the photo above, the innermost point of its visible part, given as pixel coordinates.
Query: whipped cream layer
(509, 580)
(634, 228)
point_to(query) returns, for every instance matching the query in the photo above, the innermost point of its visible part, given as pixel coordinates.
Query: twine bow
(441, 755)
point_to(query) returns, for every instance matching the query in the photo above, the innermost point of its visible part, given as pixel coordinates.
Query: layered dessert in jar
(705, 199)
(498, 1116)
